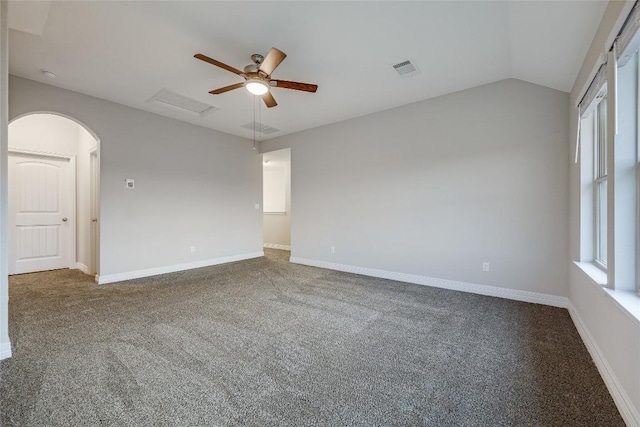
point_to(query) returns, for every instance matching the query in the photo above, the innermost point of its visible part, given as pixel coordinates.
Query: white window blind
(596, 89)
(629, 29)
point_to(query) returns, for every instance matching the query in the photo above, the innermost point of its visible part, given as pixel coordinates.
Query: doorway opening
(276, 181)
(54, 193)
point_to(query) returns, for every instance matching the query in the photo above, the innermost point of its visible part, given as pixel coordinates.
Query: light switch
(129, 182)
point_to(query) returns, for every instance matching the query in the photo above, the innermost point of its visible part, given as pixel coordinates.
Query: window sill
(598, 276)
(628, 301)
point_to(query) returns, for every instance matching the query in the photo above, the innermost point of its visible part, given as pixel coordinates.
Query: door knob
(64, 219)
(94, 220)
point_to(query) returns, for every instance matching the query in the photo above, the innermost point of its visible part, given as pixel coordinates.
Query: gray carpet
(265, 342)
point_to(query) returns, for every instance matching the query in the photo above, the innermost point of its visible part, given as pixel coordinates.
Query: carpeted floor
(265, 342)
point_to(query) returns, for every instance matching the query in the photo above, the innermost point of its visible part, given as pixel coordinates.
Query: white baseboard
(629, 413)
(5, 350)
(513, 294)
(80, 266)
(118, 277)
(276, 246)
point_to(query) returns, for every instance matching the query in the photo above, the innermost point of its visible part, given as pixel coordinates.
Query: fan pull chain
(254, 122)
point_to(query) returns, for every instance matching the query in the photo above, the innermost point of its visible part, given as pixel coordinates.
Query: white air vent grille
(173, 100)
(261, 127)
(405, 68)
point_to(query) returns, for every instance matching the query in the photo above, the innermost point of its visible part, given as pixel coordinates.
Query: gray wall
(437, 187)
(193, 186)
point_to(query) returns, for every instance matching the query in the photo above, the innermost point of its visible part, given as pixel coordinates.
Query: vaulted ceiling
(127, 52)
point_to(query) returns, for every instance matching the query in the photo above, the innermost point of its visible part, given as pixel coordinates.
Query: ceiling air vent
(260, 127)
(405, 69)
(175, 101)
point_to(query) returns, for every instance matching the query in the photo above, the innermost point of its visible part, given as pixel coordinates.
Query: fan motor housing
(257, 61)
(256, 75)
(251, 69)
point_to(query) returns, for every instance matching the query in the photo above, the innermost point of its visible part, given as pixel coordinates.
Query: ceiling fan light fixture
(257, 87)
(257, 76)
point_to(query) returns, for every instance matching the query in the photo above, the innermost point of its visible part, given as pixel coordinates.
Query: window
(609, 167)
(624, 169)
(594, 177)
(600, 184)
(608, 148)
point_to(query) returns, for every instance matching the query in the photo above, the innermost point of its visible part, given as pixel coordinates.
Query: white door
(41, 213)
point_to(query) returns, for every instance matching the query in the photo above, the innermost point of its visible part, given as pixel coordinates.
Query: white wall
(437, 187)
(277, 226)
(611, 334)
(46, 133)
(193, 186)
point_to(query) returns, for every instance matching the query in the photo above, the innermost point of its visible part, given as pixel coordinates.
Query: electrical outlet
(193, 249)
(257, 206)
(486, 266)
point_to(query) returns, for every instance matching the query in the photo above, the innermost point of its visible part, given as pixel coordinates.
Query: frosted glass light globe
(257, 87)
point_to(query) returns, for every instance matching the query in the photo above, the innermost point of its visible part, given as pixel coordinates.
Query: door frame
(71, 244)
(94, 210)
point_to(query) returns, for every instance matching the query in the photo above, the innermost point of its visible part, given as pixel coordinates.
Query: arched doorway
(53, 217)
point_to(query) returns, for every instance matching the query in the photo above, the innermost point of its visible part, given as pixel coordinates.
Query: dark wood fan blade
(272, 60)
(226, 89)
(217, 63)
(307, 87)
(269, 100)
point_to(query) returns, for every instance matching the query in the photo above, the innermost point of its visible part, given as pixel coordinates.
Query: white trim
(118, 277)
(513, 294)
(5, 350)
(80, 266)
(276, 246)
(628, 412)
(94, 208)
(73, 238)
(17, 150)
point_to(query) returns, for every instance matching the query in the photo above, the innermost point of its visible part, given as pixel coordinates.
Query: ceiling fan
(257, 76)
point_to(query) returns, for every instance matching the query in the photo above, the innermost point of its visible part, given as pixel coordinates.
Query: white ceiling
(128, 51)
